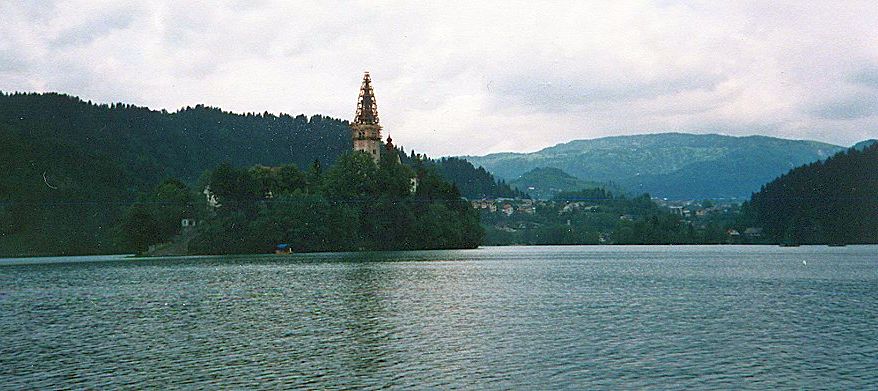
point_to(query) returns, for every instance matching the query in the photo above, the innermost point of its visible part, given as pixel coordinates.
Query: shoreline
(131, 256)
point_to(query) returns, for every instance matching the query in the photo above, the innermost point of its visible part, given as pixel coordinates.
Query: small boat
(836, 245)
(283, 249)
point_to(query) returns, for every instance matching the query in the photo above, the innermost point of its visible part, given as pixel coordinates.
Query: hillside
(864, 144)
(70, 167)
(672, 165)
(156, 144)
(832, 201)
(472, 182)
(545, 183)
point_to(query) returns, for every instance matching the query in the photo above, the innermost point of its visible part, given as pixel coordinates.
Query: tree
(140, 229)
(353, 177)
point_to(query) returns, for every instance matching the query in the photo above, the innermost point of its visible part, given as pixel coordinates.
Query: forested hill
(832, 201)
(472, 182)
(69, 166)
(673, 165)
(145, 146)
(546, 183)
(152, 145)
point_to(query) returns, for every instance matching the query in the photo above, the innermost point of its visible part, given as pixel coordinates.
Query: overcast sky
(457, 78)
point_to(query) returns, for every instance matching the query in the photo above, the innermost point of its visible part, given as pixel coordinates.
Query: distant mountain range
(671, 165)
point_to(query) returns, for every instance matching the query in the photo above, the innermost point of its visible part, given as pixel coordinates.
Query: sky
(455, 78)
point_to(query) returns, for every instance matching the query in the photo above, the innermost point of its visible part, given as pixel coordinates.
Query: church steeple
(365, 130)
(367, 108)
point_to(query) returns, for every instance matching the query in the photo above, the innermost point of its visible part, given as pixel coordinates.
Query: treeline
(354, 205)
(158, 144)
(596, 216)
(827, 202)
(471, 181)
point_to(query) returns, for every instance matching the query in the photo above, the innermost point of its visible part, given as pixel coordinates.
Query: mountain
(672, 165)
(832, 201)
(863, 144)
(545, 183)
(70, 166)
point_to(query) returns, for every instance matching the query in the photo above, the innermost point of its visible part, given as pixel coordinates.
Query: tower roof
(367, 109)
(389, 144)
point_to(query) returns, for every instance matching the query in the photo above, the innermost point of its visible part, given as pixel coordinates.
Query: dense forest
(71, 168)
(833, 201)
(354, 205)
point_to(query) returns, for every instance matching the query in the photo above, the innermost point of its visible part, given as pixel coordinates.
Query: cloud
(868, 76)
(849, 108)
(469, 77)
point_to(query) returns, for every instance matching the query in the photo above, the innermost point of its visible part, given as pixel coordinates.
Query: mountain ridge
(664, 164)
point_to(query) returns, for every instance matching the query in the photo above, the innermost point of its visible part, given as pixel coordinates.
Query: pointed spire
(367, 109)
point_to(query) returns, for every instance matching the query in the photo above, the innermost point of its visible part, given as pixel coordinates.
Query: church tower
(365, 130)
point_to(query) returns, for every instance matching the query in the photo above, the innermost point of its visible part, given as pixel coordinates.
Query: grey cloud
(554, 93)
(93, 29)
(868, 76)
(12, 62)
(854, 107)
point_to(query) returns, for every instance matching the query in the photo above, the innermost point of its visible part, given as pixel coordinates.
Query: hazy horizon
(464, 79)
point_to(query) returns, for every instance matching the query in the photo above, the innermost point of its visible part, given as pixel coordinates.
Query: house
(753, 232)
(527, 209)
(484, 204)
(676, 210)
(508, 209)
(211, 198)
(579, 205)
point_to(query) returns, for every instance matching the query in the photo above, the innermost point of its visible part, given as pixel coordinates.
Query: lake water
(498, 318)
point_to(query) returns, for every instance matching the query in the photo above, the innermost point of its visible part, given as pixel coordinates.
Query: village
(523, 215)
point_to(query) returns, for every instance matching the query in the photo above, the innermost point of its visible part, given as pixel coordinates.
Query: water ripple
(498, 318)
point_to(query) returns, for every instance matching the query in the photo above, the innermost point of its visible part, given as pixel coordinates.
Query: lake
(495, 317)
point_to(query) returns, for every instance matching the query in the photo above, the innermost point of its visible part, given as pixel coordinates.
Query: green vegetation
(81, 178)
(355, 205)
(472, 182)
(545, 182)
(833, 201)
(864, 144)
(595, 216)
(671, 165)
(72, 169)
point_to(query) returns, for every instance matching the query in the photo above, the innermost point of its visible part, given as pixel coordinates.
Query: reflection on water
(538, 317)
